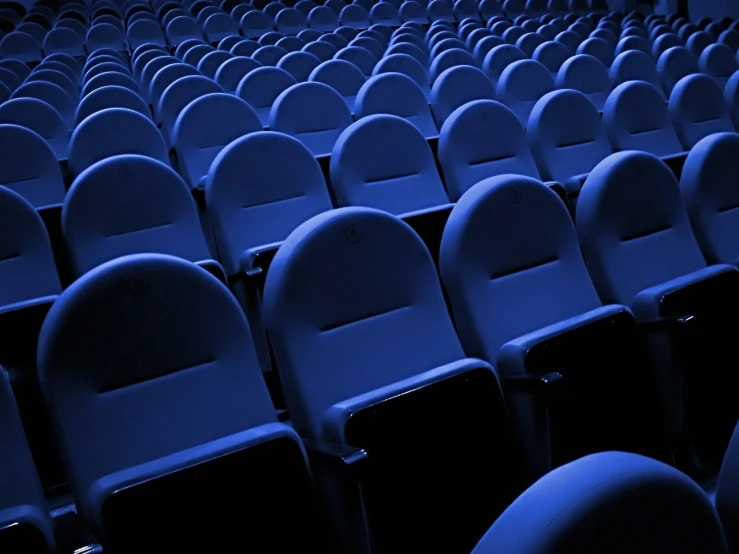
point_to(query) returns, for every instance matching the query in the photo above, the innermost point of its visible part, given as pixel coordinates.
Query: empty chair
(290, 21)
(551, 55)
(130, 204)
(219, 26)
(517, 283)
(634, 66)
(270, 38)
(323, 18)
(145, 31)
(20, 69)
(456, 87)
(358, 56)
(344, 77)
(675, 64)
(384, 13)
(111, 96)
(698, 42)
(205, 364)
(708, 186)
(529, 42)
(39, 117)
(413, 12)
(697, 109)
(178, 95)
(20, 46)
(627, 44)
(448, 59)
(718, 61)
(567, 138)
(599, 49)
(256, 23)
(467, 160)
(521, 85)
(313, 113)
(299, 64)
(261, 87)
(28, 275)
(664, 42)
(205, 126)
(320, 49)
(640, 250)
(587, 75)
(108, 78)
(440, 10)
(354, 16)
(730, 38)
(34, 171)
(165, 77)
(290, 44)
(514, 33)
(636, 118)
(182, 28)
(64, 40)
(407, 65)
(327, 261)
(105, 35)
(400, 177)
(484, 46)
(111, 132)
(570, 39)
(498, 59)
(55, 77)
(258, 209)
(396, 94)
(197, 53)
(25, 523)
(232, 71)
(613, 501)
(50, 93)
(212, 61)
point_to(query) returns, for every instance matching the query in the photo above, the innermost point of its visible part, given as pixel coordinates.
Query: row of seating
(519, 288)
(76, 29)
(336, 311)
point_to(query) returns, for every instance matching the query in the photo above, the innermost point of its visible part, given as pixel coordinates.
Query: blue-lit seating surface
(369, 277)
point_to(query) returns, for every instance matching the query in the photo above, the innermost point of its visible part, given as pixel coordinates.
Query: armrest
(561, 192)
(335, 454)
(573, 185)
(198, 193)
(549, 384)
(681, 324)
(254, 264)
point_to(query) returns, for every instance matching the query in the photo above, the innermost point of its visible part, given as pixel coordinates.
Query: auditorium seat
(708, 188)
(521, 85)
(466, 160)
(446, 60)
(165, 77)
(28, 276)
(396, 94)
(261, 87)
(178, 95)
(209, 64)
(551, 55)
(599, 49)
(379, 344)
(407, 65)
(25, 525)
(34, 172)
(456, 87)
(673, 65)
(636, 118)
(117, 78)
(52, 94)
(39, 117)
(727, 494)
(567, 138)
(586, 74)
(111, 132)
(130, 204)
(313, 113)
(697, 109)
(498, 59)
(299, 64)
(204, 127)
(634, 66)
(321, 50)
(255, 211)
(612, 501)
(159, 467)
(718, 61)
(640, 250)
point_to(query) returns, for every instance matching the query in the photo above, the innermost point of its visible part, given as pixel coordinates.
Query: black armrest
(673, 324)
(346, 457)
(256, 275)
(198, 193)
(548, 383)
